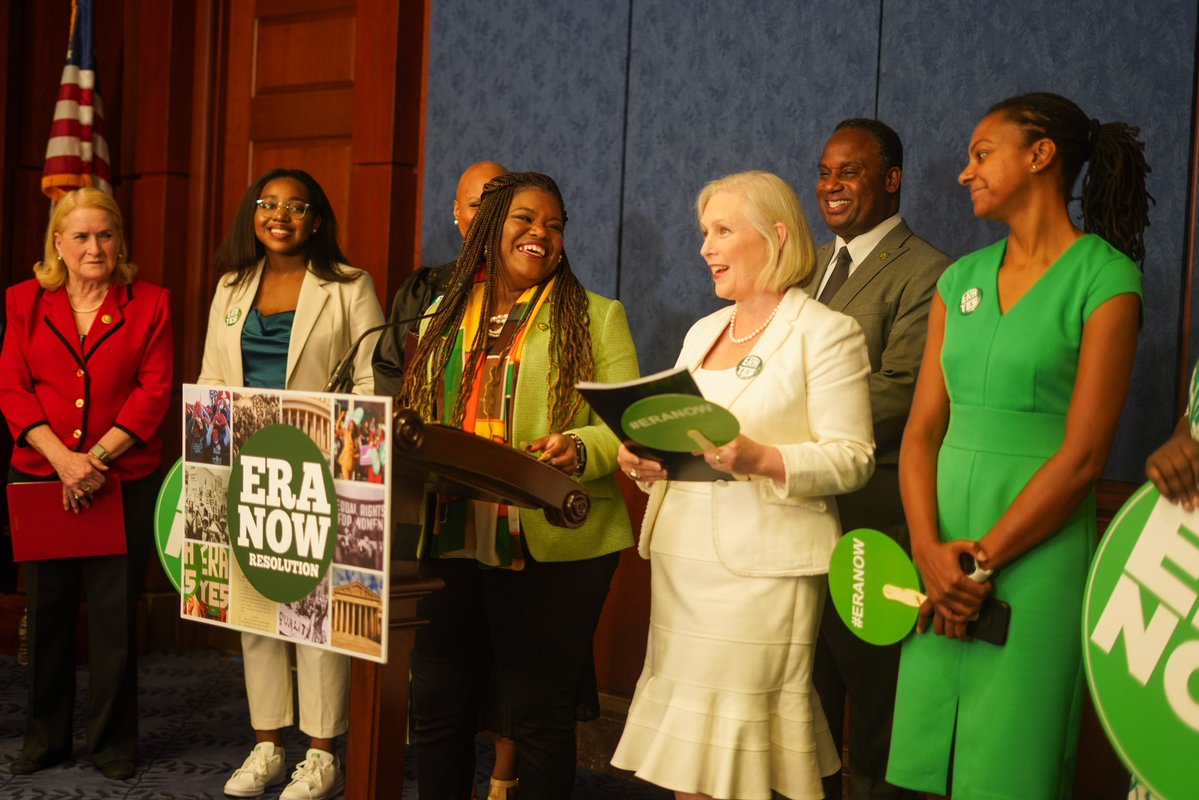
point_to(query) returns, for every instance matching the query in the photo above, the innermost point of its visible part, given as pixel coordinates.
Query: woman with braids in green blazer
(512, 335)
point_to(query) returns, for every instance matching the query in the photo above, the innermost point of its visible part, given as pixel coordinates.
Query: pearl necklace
(756, 331)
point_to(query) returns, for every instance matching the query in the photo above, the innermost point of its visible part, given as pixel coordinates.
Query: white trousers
(324, 683)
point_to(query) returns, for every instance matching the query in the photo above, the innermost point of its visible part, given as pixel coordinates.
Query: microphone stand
(340, 380)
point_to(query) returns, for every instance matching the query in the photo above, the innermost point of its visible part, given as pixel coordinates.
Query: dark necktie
(838, 277)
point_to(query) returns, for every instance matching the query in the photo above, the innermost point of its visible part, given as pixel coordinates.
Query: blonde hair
(768, 199)
(51, 272)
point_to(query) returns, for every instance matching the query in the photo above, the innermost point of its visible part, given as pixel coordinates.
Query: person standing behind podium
(881, 274)
(724, 707)
(512, 335)
(1030, 351)
(413, 297)
(285, 310)
(426, 284)
(85, 381)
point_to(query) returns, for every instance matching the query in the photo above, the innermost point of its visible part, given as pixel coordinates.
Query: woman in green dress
(1029, 357)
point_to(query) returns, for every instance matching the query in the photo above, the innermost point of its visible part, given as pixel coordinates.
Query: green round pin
(283, 518)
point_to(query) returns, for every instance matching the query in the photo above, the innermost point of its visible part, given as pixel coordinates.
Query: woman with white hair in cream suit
(724, 707)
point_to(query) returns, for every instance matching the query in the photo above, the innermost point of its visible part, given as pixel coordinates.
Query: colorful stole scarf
(488, 532)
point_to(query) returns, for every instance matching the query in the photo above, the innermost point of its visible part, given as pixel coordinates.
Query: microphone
(341, 380)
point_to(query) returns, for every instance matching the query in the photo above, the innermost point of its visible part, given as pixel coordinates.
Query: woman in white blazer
(285, 311)
(724, 707)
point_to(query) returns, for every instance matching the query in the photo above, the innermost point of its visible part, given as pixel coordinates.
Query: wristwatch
(973, 569)
(99, 452)
(580, 453)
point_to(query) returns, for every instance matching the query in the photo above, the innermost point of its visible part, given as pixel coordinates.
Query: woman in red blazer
(85, 380)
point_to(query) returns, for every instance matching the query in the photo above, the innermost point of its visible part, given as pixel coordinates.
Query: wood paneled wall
(200, 97)
(332, 87)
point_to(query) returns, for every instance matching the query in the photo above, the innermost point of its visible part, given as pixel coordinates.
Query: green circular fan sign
(282, 513)
(168, 525)
(874, 586)
(679, 423)
(1141, 641)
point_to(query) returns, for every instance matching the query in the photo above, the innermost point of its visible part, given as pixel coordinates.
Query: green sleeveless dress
(1007, 717)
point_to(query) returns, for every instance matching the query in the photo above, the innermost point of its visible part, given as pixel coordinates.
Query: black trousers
(111, 585)
(844, 665)
(535, 629)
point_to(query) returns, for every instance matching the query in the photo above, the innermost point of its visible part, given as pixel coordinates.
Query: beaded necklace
(756, 331)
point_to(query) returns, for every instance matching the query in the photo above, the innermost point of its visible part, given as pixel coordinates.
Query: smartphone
(992, 622)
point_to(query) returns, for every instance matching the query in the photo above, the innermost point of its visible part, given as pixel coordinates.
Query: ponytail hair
(1114, 200)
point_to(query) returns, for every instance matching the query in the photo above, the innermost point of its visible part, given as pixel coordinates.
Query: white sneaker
(263, 768)
(317, 777)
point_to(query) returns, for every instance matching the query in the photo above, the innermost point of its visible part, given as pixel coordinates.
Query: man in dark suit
(425, 285)
(883, 275)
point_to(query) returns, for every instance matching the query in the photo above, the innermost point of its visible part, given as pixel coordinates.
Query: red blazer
(121, 376)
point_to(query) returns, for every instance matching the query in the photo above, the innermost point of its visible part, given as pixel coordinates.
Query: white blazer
(329, 317)
(811, 400)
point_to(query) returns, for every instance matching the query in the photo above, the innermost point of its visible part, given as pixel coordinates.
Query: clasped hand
(953, 598)
(82, 475)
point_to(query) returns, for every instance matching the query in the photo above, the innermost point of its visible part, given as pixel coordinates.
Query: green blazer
(607, 528)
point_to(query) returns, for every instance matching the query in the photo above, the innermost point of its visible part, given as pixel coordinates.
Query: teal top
(264, 343)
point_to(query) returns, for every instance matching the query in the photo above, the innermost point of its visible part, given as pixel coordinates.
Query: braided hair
(571, 356)
(1115, 202)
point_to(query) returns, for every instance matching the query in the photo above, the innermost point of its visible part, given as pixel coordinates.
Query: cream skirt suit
(725, 705)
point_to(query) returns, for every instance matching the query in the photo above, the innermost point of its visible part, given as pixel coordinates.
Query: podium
(432, 459)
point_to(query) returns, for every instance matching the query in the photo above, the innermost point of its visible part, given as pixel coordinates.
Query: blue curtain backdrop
(632, 106)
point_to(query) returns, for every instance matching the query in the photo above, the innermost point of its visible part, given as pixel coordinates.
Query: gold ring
(719, 460)
(78, 496)
(634, 474)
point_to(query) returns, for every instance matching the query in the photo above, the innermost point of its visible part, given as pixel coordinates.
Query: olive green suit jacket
(889, 295)
(607, 528)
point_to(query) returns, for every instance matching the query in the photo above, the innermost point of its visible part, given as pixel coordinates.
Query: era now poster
(285, 514)
(1141, 642)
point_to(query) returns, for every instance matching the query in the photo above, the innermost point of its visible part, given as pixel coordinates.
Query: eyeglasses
(295, 208)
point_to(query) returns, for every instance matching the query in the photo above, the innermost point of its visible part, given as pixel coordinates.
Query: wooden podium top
(446, 460)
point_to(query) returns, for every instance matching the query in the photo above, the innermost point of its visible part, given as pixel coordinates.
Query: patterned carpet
(194, 731)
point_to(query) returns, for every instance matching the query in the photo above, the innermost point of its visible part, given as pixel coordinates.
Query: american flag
(77, 154)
